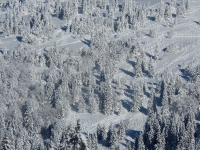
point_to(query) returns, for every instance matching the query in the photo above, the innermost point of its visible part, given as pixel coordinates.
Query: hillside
(84, 74)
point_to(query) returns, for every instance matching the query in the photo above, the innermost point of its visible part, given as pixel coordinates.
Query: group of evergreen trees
(37, 28)
(34, 102)
(80, 19)
(112, 136)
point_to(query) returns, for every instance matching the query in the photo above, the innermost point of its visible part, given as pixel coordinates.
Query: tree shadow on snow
(128, 95)
(186, 78)
(197, 133)
(126, 104)
(184, 75)
(127, 86)
(147, 94)
(132, 133)
(125, 143)
(147, 35)
(120, 7)
(197, 22)
(151, 18)
(19, 38)
(149, 55)
(64, 28)
(158, 101)
(128, 90)
(127, 72)
(117, 93)
(114, 87)
(182, 71)
(54, 15)
(144, 110)
(174, 15)
(164, 49)
(1, 51)
(46, 132)
(97, 76)
(87, 42)
(131, 62)
(102, 142)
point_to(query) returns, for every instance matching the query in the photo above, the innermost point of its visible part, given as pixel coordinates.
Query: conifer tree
(153, 99)
(160, 138)
(94, 142)
(167, 13)
(137, 99)
(160, 15)
(111, 137)
(152, 33)
(187, 4)
(6, 143)
(139, 143)
(88, 139)
(99, 131)
(145, 87)
(60, 108)
(7, 28)
(165, 103)
(28, 117)
(121, 130)
(2, 126)
(128, 145)
(103, 134)
(108, 99)
(93, 104)
(156, 52)
(138, 68)
(151, 68)
(173, 3)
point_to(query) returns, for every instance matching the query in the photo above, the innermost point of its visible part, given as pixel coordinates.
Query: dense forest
(46, 85)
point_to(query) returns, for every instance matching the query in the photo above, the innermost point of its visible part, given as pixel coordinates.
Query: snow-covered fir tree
(151, 71)
(137, 99)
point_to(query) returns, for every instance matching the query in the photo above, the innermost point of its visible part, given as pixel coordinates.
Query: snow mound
(174, 48)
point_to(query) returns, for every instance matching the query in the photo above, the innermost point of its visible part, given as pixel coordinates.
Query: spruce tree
(103, 133)
(156, 52)
(137, 99)
(140, 145)
(88, 139)
(152, 33)
(165, 104)
(151, 68)
(99, 131)
(111, 137)
(128, 145)
(6, 143)
(173, 3)
(187, 4)
(138, 68)
(160, 15)
(121, 130)
(108, 99)
(94, 142)
(167, 13)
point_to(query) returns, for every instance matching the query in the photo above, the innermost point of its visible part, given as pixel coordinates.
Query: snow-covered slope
(62, 68)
